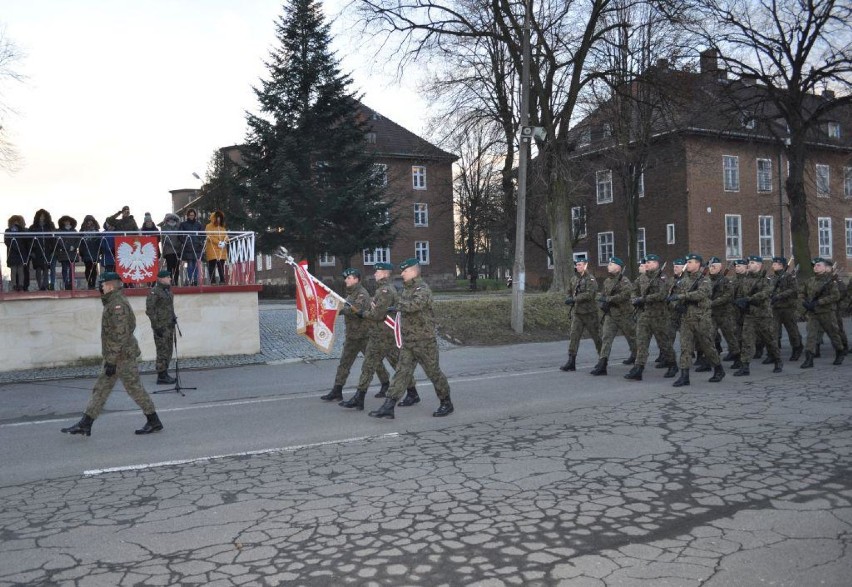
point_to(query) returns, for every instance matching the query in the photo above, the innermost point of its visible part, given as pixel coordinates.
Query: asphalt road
(539, 478)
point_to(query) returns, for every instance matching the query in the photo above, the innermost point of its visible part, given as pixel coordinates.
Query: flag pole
(282, 253)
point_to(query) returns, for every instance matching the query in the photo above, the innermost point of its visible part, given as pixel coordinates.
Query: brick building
(713, 181)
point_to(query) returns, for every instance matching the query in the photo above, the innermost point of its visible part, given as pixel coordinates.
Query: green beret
(740, 262)
(823, 260)
(110, 276)
(679, 261)
(782, 260)
(714, 260)
(617, 261)
(643, 260)
(755, 258)
(652, 257)
(352, 271)
(164, 273)
(694, 257)
(411, 262)
(383, 266)
(581, 259)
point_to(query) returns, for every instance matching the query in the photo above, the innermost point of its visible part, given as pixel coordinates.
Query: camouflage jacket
(825, 287)
(584, 290)
(756, 289)
(652, 289)
(359, 300)
(784, 292)
(721, 294)
(384, 298)
(160, 307)
(695, 295)
(617, 292)
(415, 303)
(117, 326)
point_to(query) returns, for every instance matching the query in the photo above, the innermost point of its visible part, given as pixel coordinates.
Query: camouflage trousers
(381, 347)
(786, 317)
(758, 329)
(164, 345)
(128, 371)
(351, 347)
(697, 332)
(819, 323)
(656, 325)
(581, 323)
(726, 323)
(424, 352)
(613, 323)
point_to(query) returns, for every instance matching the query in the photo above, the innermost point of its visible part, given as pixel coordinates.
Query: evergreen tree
(311, 184)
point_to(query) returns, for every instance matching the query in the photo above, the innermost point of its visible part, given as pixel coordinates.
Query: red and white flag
(396, 325)
(136, 258)
(316, 309)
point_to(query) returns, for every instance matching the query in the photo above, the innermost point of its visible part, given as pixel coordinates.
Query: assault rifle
(680, 308)
(604, 303)
(714, 293)
(810, 305)
(773, 297)
(639, 302)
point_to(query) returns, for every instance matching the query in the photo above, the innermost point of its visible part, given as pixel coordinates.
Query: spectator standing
(66, 249)
(148, 227)
(170, 244)
(107, 247)
(192, 245)
(41, 252)
(89, 249)
(216, 249)
(123, 221)
(16, 257)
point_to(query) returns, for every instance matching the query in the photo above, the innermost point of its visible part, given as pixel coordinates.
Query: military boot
(731, 356)
(779, 365)
(600, 368)
(84, 427)
(356, 401)
(797, 353)
(718, 374)
(153, 424)
(839, 355)
(758, 351)
(671, 372)
(703, 365)
(163, 378)
(808, 362)
(768, 360)
(629, 360)
(445, 409)
(336, 393)
(571, 365)
(410, 398)
(683, 379)
(386, 411)
(635, 373)
(743, 370)
(383, 390)
(737, 364)
(661, 364)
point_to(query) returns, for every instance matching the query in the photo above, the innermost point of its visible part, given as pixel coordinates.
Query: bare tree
(10, 56)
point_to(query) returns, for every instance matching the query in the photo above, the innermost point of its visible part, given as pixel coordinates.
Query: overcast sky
(124, 100)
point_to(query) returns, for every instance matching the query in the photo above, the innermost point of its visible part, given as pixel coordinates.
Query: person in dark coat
(192, 245)
(89, 249)
(16, 250)
(42, 246)
(170, 244)
(66, 249)
(123, 221)
(107, 248)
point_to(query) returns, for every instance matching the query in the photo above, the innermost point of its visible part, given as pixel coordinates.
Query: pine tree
(311, 184)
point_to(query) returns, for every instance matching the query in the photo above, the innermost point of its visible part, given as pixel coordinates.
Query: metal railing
(192, 257)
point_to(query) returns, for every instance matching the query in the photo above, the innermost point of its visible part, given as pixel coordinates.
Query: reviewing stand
(178, 388)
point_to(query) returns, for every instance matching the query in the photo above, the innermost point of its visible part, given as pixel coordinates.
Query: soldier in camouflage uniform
(678, 266)
(618, 314)
(737, 283)
(382, 344)
(753, 300)
(692, 301)
(584, 318)
(785, 294)
(649, 299)
(160, 308)
(842, 302)
(357, 334)
(419, 343)
(820, 297)
(120, 352)
(722, 310)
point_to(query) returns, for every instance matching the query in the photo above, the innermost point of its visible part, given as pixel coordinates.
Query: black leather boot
(410, 398)
(163, 378)
(571, 365)
(808, 362)
(797, 353)
(386, 411)
(839, 355)
(737, 364)
(152, 425)
(629, 360)
(356, 401)
(730, 356)
(718, 374)
(600, 368)
(383, 390)
(683, 379)
(779, 365)
(743, 370)
(703, 365)
(445, 409)
(336, 393)
(84, 427)
(768, 360)
(671, 372)
(661, 364)
(635, 374)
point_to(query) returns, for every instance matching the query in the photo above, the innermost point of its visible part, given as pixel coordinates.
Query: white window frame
(764, 176)
(421, 251)
(641, 188)
(603, 186)
(421, 214)
(641, 243)
(268, 259)
(766, 236)
(731, 173)
(833, 130)
(605, 249)
(847, 182)
(259, 263)
(824, 242)
(549, 245)
(418, 177)
(670, 234)
(849, 237)
(822, 180)
(733, 239)
(326, 260)
(585, 137)
(373, 256)
(579, 213)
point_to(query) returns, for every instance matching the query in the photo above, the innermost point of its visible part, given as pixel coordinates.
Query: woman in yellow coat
(216, 249)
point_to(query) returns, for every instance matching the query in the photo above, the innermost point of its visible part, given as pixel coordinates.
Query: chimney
(709, 61)
(826, 93)
(748, 79)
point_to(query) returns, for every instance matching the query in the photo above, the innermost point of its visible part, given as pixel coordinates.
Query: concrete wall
(53, 332)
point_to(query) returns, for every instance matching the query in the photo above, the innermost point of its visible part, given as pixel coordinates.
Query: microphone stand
(178, 388)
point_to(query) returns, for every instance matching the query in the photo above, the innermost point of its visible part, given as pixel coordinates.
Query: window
(833, 130)
(370, 137)
(604, 186)
(748, 121)
(606, 247)
(380, 171)
(640, 190)
(764, 175)
(824, 232)
(670, 234)
(849, 237)
(640, 242)
(326, 260)
(259, 262)
(847, 182)
(585, 137)
(371, 257)
(421, 251)
(606, 130)
(550, 253)
(731, 167)
(578, 222)
(733, 236)
(823, 180)
(268, 262)
(418, 177)
(766, 236)
(421, 214)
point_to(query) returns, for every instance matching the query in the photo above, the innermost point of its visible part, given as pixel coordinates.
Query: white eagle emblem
(137, 259)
